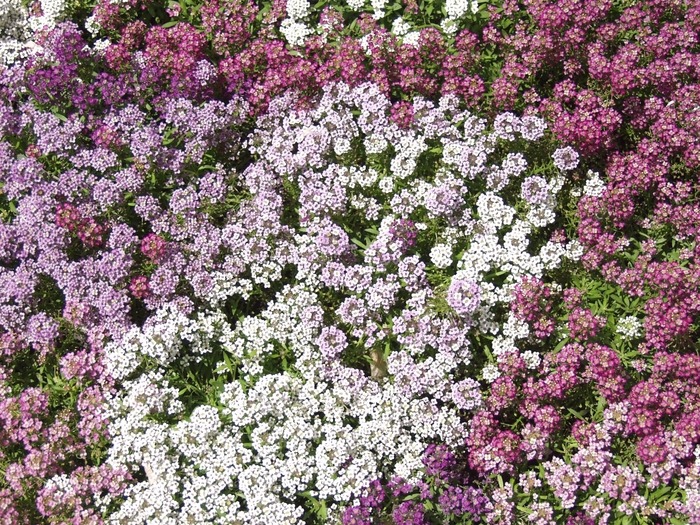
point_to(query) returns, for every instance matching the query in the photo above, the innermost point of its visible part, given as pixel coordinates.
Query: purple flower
(409, 513)
(439, 461)
(464, 296)
(332, 342)
(139, 287)
(356, 516)
(466, 394)
(375, 495)
(535, 190)
(404, 231)
(565, 158)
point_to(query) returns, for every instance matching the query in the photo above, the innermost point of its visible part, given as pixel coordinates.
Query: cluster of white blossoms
(162, 339)
(594, 187)
(15, 31)
(629, 327)
(298, 425)
(18, 28)
(295, 28)
(441, 255)
(52, 11)
(456, 9)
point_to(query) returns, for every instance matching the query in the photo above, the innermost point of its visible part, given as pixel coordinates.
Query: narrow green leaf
(359, 243)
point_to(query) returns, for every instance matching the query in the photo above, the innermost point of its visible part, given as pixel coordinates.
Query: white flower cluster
(441, 255)
(162, 339)
(18, 28)
(294, 28)
(14, 32)
(400, 27)
(595, 187)
(52, 13)
(532, 359)
(297, 427)
(378, 7)
(456, 9)
(412, 39)
(629, 327)
(490, 373)
(92, 26)
(295, 32)
(356, 5)
(408, 149)
(497, 240)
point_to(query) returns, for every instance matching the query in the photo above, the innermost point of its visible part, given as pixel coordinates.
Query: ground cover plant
(363, 262)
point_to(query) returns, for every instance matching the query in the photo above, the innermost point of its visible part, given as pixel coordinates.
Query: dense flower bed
(354, 263)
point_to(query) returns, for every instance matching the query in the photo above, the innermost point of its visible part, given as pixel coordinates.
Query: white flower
(400, 27)
(594, 185)
(386, 185)
(565, 158)
(629, 327)
(298, 9)
(532, 359)
(412, 38)
(492, 209)
(102, 44)
(541, 216)
(490, 373)
(378, 6)
(449, 26)
(551, 254)
(457, 8)
(441, 255)
(515, 328)
(341, 146)
(294, 32)
(574, 250)
(92, 26)
(375, 144)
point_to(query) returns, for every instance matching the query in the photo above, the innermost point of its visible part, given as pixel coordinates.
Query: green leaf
(359, 243)
(660, 492)
(576, 413)
(560, 345)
